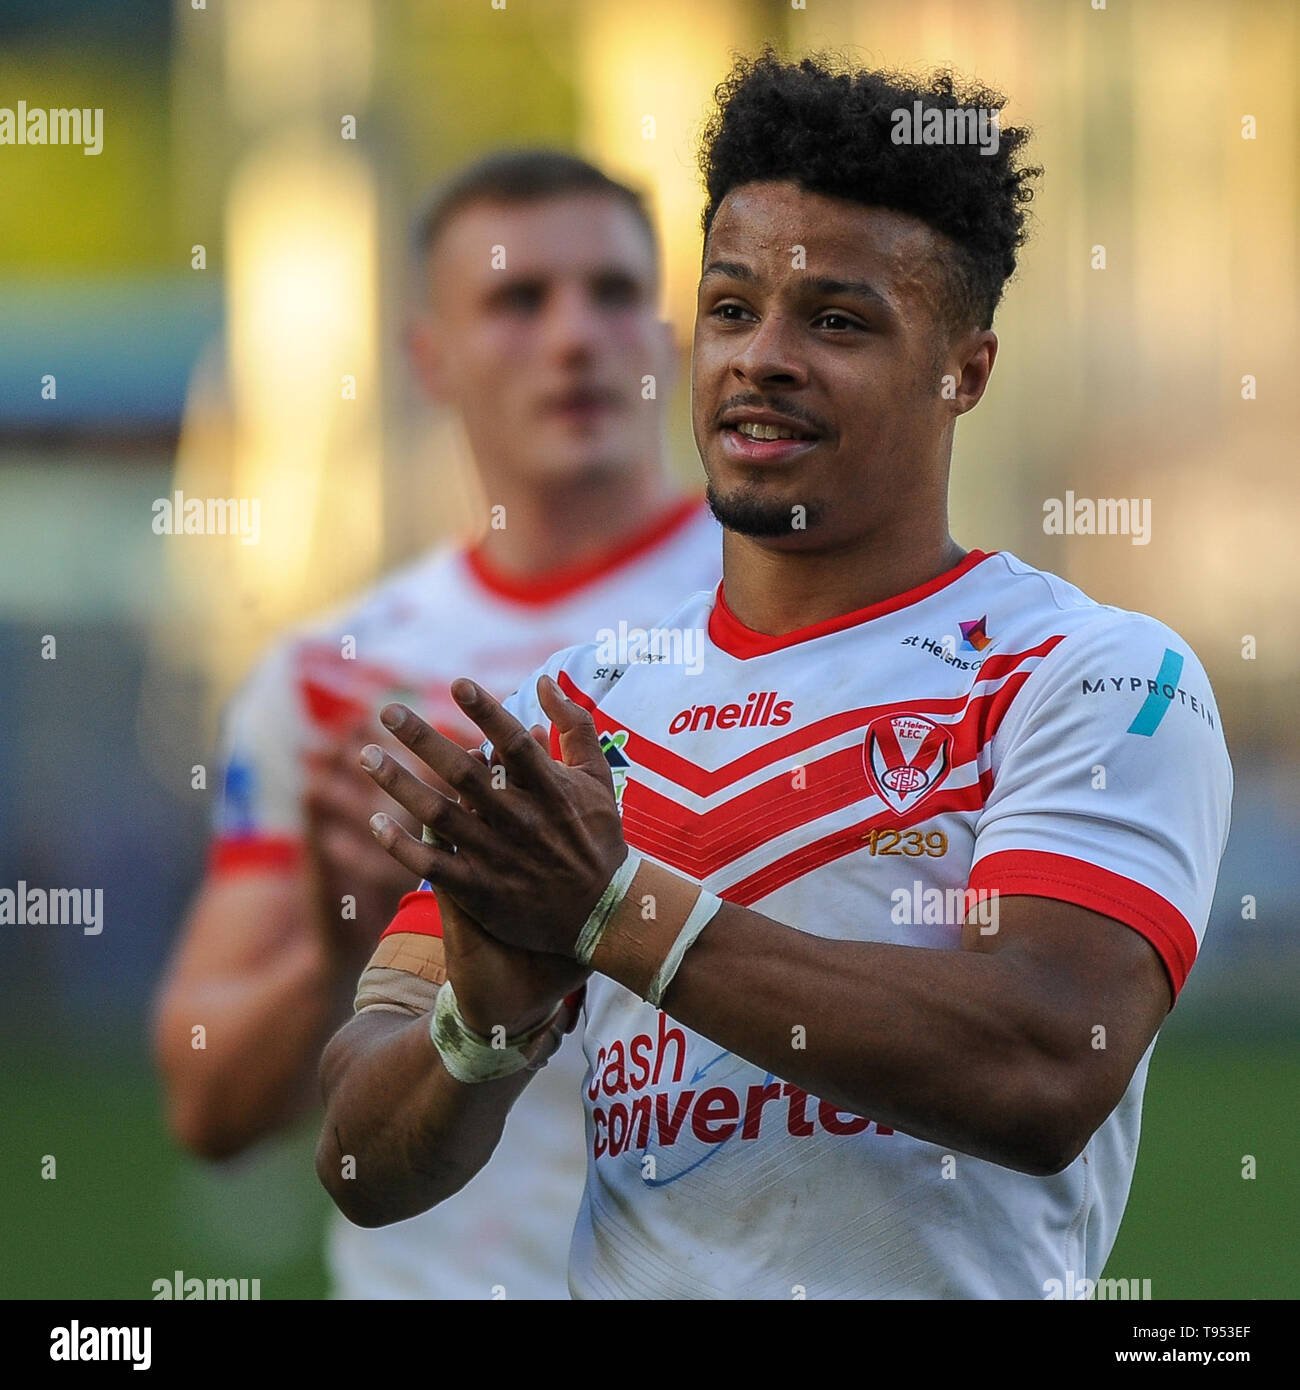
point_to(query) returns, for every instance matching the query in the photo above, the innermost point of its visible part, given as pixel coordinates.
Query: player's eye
(520, 297)
(730, 312)
(837, 322)
(615, 291)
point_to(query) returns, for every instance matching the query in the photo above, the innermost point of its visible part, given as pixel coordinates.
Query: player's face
(819, 318)
(545, 323)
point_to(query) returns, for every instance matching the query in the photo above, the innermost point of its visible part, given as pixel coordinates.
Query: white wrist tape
(615, 891)
(470, 1057)
(706, 907)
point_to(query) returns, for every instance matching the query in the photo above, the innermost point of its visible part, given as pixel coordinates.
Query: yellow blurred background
(1122, 381)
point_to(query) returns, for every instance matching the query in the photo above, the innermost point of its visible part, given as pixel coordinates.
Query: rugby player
(873, 937)
(544, 362)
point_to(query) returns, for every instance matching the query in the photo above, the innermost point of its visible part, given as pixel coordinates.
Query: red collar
(733, 637)
(552, 585)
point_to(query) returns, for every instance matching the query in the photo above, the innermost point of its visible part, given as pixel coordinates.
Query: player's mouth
(764, 436)
(581, 406)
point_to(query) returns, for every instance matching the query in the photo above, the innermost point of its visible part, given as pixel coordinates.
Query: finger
(355, 858)
(336, 749)
(345, 851)
(343, 796)
(430, 808)
(479, 757)
(579, 741)
(439, 867)
(512, 745)
(543, 736)
(483, 761)
(466, 776)
(382, 737)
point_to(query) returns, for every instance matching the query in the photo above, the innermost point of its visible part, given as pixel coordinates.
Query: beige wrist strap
(658, 920)
(602, 914)
(471, 1057)
(404, 975)
(706, 906)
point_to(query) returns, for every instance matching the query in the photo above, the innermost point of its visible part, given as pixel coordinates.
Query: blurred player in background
(542, 351)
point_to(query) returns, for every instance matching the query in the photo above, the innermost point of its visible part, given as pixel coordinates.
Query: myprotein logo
(761, 708)
(1162, 694)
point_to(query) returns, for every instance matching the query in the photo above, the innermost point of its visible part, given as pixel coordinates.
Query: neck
(776, 592)
(554, 525)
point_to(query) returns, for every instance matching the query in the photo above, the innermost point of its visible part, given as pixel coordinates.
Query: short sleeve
(1112, 786)
(258, 814)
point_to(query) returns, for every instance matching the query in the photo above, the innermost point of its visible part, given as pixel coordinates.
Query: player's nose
(573, 323)
(769, 355)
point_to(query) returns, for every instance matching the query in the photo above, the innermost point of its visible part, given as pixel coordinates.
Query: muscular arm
(255, 975)
(991, 1049)
(416, 1134)
(268, 962)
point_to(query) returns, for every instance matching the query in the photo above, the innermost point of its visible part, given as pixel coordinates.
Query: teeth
(754, 431)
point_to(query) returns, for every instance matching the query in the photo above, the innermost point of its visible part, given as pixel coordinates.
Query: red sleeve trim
(255, 854)
(418, 913)
(1042, 875)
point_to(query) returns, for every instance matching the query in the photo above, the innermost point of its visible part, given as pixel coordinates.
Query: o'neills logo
(760, 707)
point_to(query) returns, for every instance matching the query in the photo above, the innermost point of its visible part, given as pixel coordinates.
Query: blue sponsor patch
(1156, 705)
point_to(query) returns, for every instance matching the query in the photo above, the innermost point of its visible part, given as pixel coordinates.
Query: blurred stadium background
(223, 130)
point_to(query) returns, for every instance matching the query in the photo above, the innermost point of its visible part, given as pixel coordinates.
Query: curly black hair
(828, 128)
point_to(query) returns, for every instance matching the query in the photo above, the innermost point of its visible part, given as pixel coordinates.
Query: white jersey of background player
(554, 360)
(509, 1229)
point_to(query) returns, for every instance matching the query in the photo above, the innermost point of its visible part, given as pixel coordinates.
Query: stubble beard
(747, 511)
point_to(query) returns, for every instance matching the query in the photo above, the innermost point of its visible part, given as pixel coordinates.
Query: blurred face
(816, 396)
(543, 355)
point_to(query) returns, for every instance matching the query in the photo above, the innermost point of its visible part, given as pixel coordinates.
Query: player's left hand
(342, 858)
(535, 848)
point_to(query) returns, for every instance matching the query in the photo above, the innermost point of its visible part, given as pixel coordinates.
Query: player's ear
(667, 359)
(967, 369)
(427, 355)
